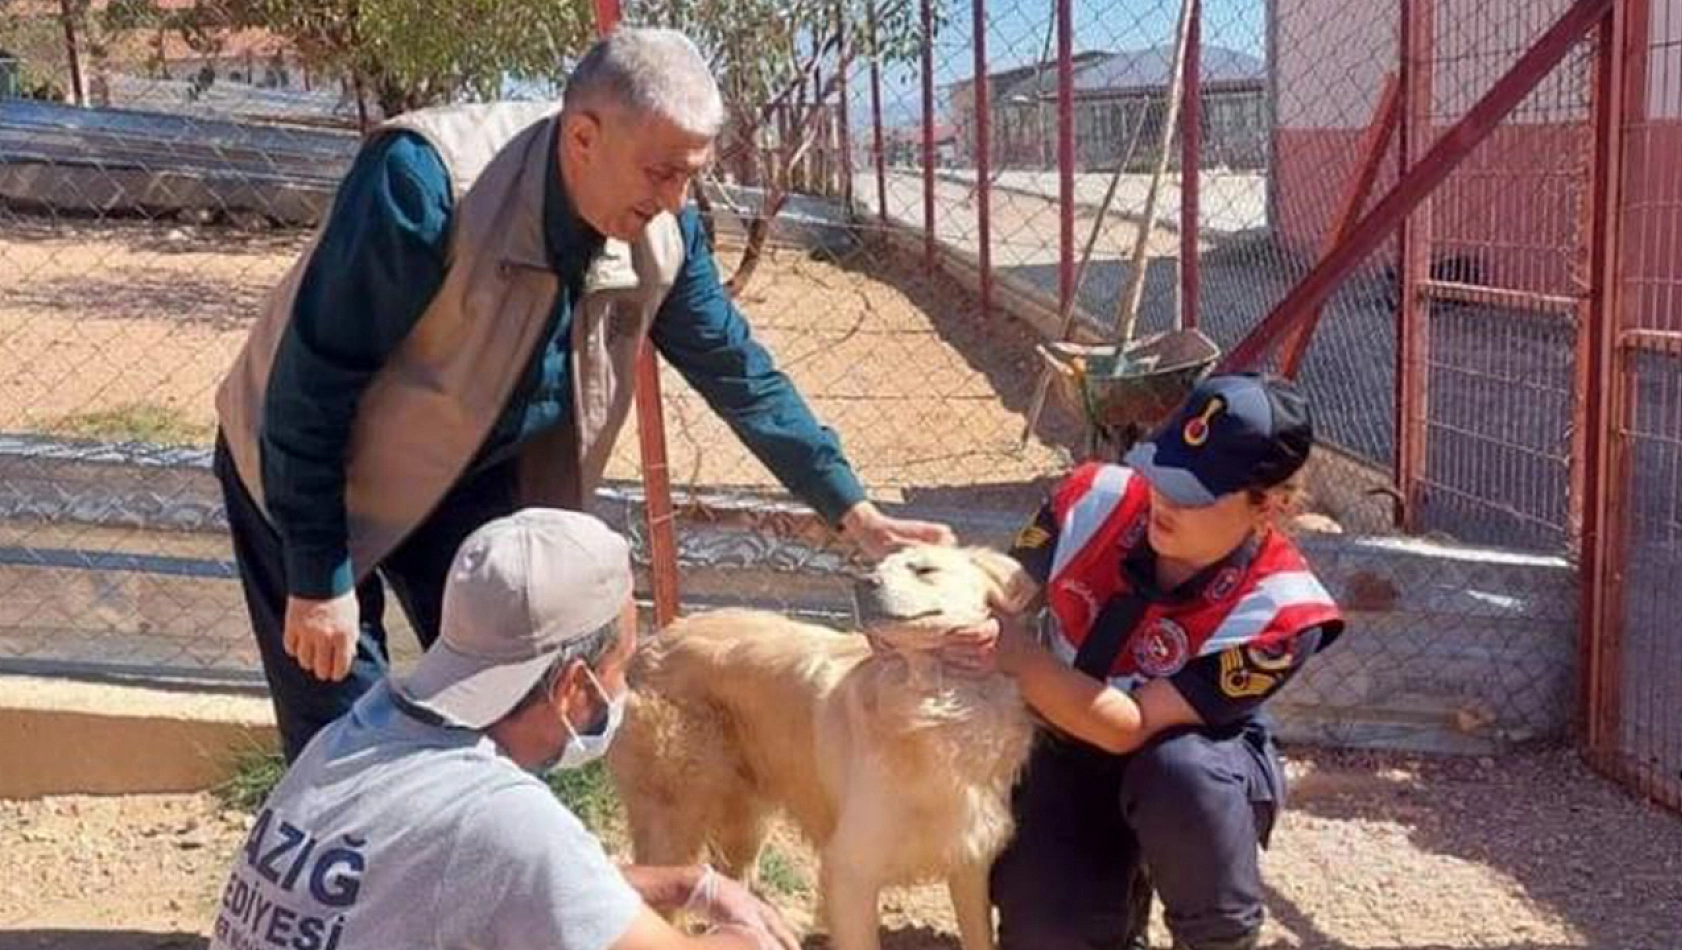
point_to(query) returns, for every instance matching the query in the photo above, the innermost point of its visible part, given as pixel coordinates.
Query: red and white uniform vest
(1102, 512)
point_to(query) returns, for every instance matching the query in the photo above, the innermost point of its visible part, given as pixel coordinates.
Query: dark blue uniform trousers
(415, 573)
(1189, 808)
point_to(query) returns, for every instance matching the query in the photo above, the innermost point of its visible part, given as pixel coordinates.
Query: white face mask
(583, 749)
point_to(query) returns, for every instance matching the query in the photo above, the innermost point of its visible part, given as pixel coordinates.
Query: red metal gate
(1633, 538)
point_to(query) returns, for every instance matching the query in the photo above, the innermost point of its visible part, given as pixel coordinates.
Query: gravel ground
(1524, 852)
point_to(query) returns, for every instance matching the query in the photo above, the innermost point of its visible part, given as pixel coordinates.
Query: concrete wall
(1450, 648)
(65, 737)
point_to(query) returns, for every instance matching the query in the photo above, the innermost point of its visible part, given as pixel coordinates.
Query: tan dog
(896, 770)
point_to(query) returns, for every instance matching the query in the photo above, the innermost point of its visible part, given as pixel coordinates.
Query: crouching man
(418, 819)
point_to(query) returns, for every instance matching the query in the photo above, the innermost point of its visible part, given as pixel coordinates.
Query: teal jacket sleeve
(703, 335)
(380, 261)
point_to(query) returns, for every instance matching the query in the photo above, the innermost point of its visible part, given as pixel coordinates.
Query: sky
(1017, 36)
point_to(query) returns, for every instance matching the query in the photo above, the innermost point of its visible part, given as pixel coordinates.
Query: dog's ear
(1010, 588)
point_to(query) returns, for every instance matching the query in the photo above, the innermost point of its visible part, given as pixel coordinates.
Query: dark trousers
(1189, 808)
(415, 573)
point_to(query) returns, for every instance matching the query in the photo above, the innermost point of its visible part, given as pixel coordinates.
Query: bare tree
(780, 66)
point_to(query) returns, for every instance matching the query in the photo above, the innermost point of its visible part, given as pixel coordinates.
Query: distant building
(1113, 94)
(903, 145)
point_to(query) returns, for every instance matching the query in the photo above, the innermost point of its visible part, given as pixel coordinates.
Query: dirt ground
(1525, 852)
(122, 329)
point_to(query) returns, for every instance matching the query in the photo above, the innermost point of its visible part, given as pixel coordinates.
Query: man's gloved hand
(730, 906)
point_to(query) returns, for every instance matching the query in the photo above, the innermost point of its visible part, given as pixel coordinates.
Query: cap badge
(1196, 431)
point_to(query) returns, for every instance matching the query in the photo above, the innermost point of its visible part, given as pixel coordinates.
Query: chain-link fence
(907, 198)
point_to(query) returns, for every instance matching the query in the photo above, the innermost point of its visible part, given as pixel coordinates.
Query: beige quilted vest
(429, 409)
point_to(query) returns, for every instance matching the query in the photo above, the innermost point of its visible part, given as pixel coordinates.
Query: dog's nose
(870, 582)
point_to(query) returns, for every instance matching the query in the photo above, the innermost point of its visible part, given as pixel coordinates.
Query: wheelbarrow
(1122, 396)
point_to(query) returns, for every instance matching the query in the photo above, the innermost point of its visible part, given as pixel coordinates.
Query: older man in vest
(457, 343)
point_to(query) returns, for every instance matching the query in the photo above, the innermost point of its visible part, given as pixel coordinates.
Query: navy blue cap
(1233, 432)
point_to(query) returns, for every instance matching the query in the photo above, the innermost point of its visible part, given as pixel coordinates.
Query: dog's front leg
(972, 906)
(853, 871)
(851, 890)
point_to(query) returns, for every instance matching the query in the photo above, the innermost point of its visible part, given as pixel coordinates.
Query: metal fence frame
(1599, 456)
(1624, 696)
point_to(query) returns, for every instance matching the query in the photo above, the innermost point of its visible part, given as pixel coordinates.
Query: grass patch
(779, 873)
(588, 792)
(256, 771)
(136, 422)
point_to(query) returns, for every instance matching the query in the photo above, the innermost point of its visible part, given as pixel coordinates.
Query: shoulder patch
(1032, 537)
(1239, 680)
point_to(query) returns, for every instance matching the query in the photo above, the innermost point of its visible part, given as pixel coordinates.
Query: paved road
(1231, 201)
(1498, 448)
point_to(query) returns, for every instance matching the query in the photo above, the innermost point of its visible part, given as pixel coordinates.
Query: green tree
(406, 54)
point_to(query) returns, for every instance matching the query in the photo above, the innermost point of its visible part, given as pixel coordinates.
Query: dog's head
(915, 597)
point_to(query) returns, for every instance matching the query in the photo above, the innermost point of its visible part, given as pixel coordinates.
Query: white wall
(1332, 56)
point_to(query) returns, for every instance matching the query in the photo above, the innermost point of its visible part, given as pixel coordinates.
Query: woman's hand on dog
(728, 905)
(996, 645)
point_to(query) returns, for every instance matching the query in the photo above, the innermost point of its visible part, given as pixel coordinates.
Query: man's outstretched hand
(879, 535)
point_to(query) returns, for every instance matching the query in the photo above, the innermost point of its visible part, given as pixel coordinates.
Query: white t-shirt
(392, 834)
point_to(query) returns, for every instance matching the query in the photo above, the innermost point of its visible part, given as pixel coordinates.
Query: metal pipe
(928, 134)
(1598, 458)
(1454, 292)
(1414, 247)
(876, 119)
(1663, 342)
(1065, 154)
(1452, 147)
(651, 439)
(846, 142)
(981, 99)
(1375, 144)
(72, 53)
(1191, 164)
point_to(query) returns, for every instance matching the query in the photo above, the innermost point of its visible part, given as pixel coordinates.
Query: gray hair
(648, 71)
(590, 648)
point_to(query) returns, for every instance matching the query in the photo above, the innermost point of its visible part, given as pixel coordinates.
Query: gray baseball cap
(520, 589)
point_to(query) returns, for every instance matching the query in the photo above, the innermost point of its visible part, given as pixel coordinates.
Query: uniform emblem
(1239, 681)
(1162, 649)
(1223, 585)
(1196, 431)
(1032, 537)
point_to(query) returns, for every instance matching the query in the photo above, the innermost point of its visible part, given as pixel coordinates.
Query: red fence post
(651, 439)
(876, 120)
(1065, 154)
(981, 98)
(928, 133)
(1191, 163)
(1414, 248)
(1597, 462)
